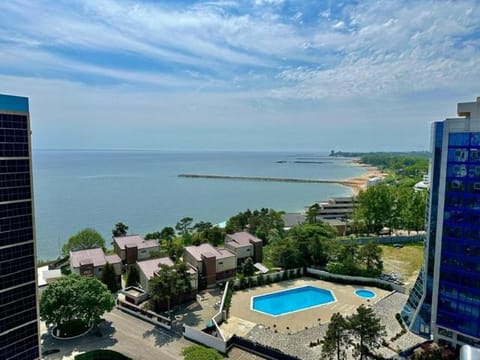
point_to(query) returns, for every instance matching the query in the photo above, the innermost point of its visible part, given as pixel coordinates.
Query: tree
(371, 256)
(184, 226)
(152, 236)
(120, 229)
(336, 340)
(248, 269)
(84, 239)
(312, 213)
(109, 277)
(312, 241)
(284, 252)
(375, 207)
(175, 251)
(367, 330)
(133, 277)
(75, 298)
(198, 352)
(169, 283)
(167, 234)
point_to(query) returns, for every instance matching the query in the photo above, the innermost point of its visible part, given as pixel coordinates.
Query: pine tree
(109, 277)
(336, 340)
(133, 277)
(367, 330)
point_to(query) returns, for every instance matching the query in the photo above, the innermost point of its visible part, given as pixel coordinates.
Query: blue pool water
(287, 301)
(366, 294)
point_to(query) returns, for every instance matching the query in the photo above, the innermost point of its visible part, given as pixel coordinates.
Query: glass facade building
(19, 337)
(446, 302)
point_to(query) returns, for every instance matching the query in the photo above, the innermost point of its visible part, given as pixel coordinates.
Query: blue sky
(261, 74)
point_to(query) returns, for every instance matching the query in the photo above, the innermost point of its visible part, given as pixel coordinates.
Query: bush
(387, 287)
(102, 355)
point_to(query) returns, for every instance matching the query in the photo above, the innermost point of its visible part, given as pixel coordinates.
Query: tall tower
(19, 334)
(449, 298)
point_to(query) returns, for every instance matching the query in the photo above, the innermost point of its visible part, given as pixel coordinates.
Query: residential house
(244, 245)
(90, 262)
(132, 248)
(147, 269)
(212, 264)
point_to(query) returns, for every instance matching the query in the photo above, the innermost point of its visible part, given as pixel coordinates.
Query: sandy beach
(360, 182)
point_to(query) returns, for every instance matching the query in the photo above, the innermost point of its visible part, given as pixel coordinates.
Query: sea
(97, 188)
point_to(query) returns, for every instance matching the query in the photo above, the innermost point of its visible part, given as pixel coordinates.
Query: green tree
(284, 253)
(169, 283)
(248, 269)
(120, 229)
(109, 277)
(175, 251)
(132, 277)
(84, 239)
(312, 213)
(152, 236)
(257, 222)
(375, 208)
(367, 331)
(75, 298)
(336, 340)
(184, 226)
(348, 258)
(371, 256)
(167, 234)
(312, 241)
(198, 352)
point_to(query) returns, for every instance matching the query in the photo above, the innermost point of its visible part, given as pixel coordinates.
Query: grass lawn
(406, 261)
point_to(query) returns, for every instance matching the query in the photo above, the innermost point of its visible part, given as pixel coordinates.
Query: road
(124, 333)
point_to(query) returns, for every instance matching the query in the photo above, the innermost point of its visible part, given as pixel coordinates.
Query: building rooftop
(13, 103)
(89, 256)
(150, 267)
(208, 250)
(292, 219)
(134, 240)
(113, 259)
(241, 239)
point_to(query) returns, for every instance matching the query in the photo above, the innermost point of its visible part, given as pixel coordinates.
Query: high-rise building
(19, 331)
(445, 301)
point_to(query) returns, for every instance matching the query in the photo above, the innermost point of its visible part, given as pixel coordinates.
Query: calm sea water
(79, 189)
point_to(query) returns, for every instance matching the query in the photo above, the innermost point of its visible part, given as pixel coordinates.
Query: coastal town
(245, 180)
(200, 283)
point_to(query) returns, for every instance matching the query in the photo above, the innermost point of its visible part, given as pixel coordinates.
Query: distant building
(131, 248)
(244, 245)
(422, 185)
(445, 301)
(336, 208)
(19, 327)
(90, 262)
(212, 264)
(147, 269)
(293, 219)
(374, 181)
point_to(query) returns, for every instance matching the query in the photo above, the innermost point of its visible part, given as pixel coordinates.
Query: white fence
(358, 279)
(206, 339)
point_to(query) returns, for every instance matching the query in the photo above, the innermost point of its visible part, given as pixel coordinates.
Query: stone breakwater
(350, 182)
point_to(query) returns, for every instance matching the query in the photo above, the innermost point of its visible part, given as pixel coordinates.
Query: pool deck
(346, 304)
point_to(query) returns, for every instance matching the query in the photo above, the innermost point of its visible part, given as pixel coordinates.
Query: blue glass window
(475, 139)
(458, 155)
(459, 139)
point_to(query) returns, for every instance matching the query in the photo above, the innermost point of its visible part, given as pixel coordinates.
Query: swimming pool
(366, 294)
(288, 301)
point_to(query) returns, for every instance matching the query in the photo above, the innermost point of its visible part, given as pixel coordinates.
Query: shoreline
(356, 184)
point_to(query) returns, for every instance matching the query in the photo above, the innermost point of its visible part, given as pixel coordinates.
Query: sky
(366, 75)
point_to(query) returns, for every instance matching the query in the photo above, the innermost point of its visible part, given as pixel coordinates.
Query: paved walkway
(124, 333)
(298, 343)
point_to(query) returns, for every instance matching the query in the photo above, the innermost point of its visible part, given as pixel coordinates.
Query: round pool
(365, 294)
